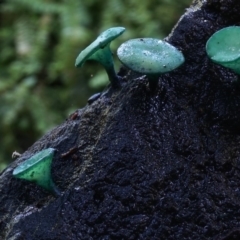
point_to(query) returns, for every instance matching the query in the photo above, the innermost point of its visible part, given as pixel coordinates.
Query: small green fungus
(223, 48)
(37, 169)
(151, 57)
(99, 50)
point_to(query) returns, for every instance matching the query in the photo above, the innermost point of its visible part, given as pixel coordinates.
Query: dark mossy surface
(140, 165)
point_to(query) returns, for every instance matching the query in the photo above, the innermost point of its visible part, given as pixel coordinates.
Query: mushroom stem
(114, 79)
(237, 71)
(49, 186)
(53, 189)
(104, 56)
(153, 82)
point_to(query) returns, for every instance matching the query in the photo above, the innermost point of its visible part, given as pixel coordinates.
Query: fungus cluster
(148, 56)
(151, 57)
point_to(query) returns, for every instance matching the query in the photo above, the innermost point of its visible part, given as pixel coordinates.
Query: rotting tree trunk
(136, 165)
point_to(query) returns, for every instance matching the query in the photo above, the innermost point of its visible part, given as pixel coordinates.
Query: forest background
(39, 42)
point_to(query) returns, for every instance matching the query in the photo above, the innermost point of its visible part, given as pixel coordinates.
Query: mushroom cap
(37, 167)
(102, 40)
(149, 56)
(224, 45)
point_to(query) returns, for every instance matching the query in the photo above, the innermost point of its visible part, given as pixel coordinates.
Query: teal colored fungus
(223, 48)
(151, 57)
(100, 51)
(38, 169)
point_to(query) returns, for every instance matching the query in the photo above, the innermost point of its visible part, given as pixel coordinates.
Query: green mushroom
(99, 50)
(223, 48)
(38, 169)
(151, 57)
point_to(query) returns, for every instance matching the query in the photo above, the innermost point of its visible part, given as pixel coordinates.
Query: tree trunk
(140, 165)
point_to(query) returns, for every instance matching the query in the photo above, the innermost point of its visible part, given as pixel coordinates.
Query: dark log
(140, 165)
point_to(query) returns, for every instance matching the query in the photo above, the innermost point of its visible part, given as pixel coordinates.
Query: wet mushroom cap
(224, 45)
(103, 39)
(149, 56)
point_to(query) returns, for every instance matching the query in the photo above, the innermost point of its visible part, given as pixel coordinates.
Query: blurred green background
(39, 42)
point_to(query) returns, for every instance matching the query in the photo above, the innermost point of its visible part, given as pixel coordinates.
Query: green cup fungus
(99, 50)
(38, 169)
(151, 57)
(223, 48)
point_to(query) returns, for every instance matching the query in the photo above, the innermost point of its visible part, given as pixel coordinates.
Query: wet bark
(140, 165)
